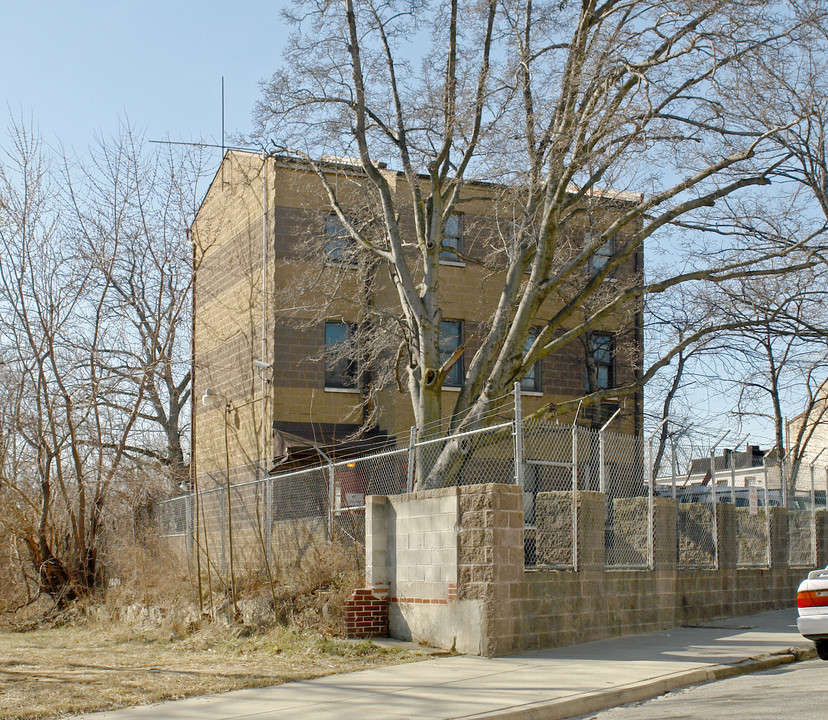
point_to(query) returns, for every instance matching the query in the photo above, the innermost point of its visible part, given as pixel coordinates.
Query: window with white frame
(531, 382)
(339, 244)
(601, 255)
(452, 238)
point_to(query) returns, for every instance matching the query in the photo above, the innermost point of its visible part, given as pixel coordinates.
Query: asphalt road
(791, 692)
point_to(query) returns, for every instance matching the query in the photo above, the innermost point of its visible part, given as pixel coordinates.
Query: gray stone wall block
(695, 531)
(629, 544)
(751, 537)
(553, 522)
(726, 519)
(779, 537)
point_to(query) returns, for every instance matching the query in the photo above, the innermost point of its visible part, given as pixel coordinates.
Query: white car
(812, 602)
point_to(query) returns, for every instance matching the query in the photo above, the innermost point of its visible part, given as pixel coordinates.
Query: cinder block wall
(413, 557)
(500, 607)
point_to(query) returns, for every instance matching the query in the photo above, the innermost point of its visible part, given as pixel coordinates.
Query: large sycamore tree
(553, 102)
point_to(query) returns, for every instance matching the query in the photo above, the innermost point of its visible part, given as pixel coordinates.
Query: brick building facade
(268, 296)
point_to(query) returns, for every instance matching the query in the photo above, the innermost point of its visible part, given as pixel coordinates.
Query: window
(338, 241)
(452, 237)
(340, 368)
(451, 337)
(602, 253)
(601, 350)
(531, 381)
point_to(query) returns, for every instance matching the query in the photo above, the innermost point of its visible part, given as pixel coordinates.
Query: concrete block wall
(500, 607)
(413, 557)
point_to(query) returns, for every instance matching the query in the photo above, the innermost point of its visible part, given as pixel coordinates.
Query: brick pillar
(726, 520)
(490, 559)
(366, 615)
(779, 537)
(592, 510)
(822, 537)
(664, 533)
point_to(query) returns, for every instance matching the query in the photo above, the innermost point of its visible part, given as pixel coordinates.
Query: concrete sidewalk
(548, 684)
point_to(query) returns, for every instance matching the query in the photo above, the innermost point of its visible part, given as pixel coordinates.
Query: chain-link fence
(629, 498)
(247, 516)
(549, 477)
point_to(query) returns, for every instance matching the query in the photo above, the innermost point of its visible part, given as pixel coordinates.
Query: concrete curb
(646, 690)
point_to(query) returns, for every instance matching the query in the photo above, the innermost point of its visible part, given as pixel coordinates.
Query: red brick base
(366, 615)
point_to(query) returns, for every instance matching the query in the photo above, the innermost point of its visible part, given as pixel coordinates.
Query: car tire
(822, 649)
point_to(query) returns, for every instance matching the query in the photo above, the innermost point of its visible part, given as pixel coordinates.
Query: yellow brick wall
(228, 311)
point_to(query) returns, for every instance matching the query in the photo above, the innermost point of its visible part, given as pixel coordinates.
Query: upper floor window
(451, 337)
(531, 382)
(338, 241)
(601, 349)
(340, 367)
(452, 237)
(602, 254)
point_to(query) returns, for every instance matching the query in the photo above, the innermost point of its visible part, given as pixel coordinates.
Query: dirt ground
(59, 671)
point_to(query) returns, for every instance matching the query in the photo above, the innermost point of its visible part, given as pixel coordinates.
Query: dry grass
(50, 672)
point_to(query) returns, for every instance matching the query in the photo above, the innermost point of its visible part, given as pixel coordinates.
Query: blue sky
(75, 68)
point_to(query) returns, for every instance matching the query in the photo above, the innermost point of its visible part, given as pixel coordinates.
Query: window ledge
(530, 393)
(453, 263)
(451, 388)
(348, 391)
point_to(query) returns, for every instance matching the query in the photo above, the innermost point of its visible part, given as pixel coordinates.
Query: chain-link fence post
(518, 432)
(813, 516)
(714, 503)
(333, 499)
(768, 545)
(651, 496)
(267, 516)
(412, 458)
(715, 500)
(188, 525)
(223, 525)
(602, 471)
(650, 506)
(673, 464)
(575, 497)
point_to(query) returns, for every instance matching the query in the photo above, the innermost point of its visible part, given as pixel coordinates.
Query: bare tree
(784, 356)
(776, 360)
(94, 293)
(132, 207)
(68, 445)
(550, 102)
(769, 357)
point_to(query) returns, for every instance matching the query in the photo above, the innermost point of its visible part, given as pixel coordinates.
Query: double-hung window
(451, 337)
(531, 382)
(341, 369)
(452, 238)
(601, 350)
(601, 255)
(338, 241)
